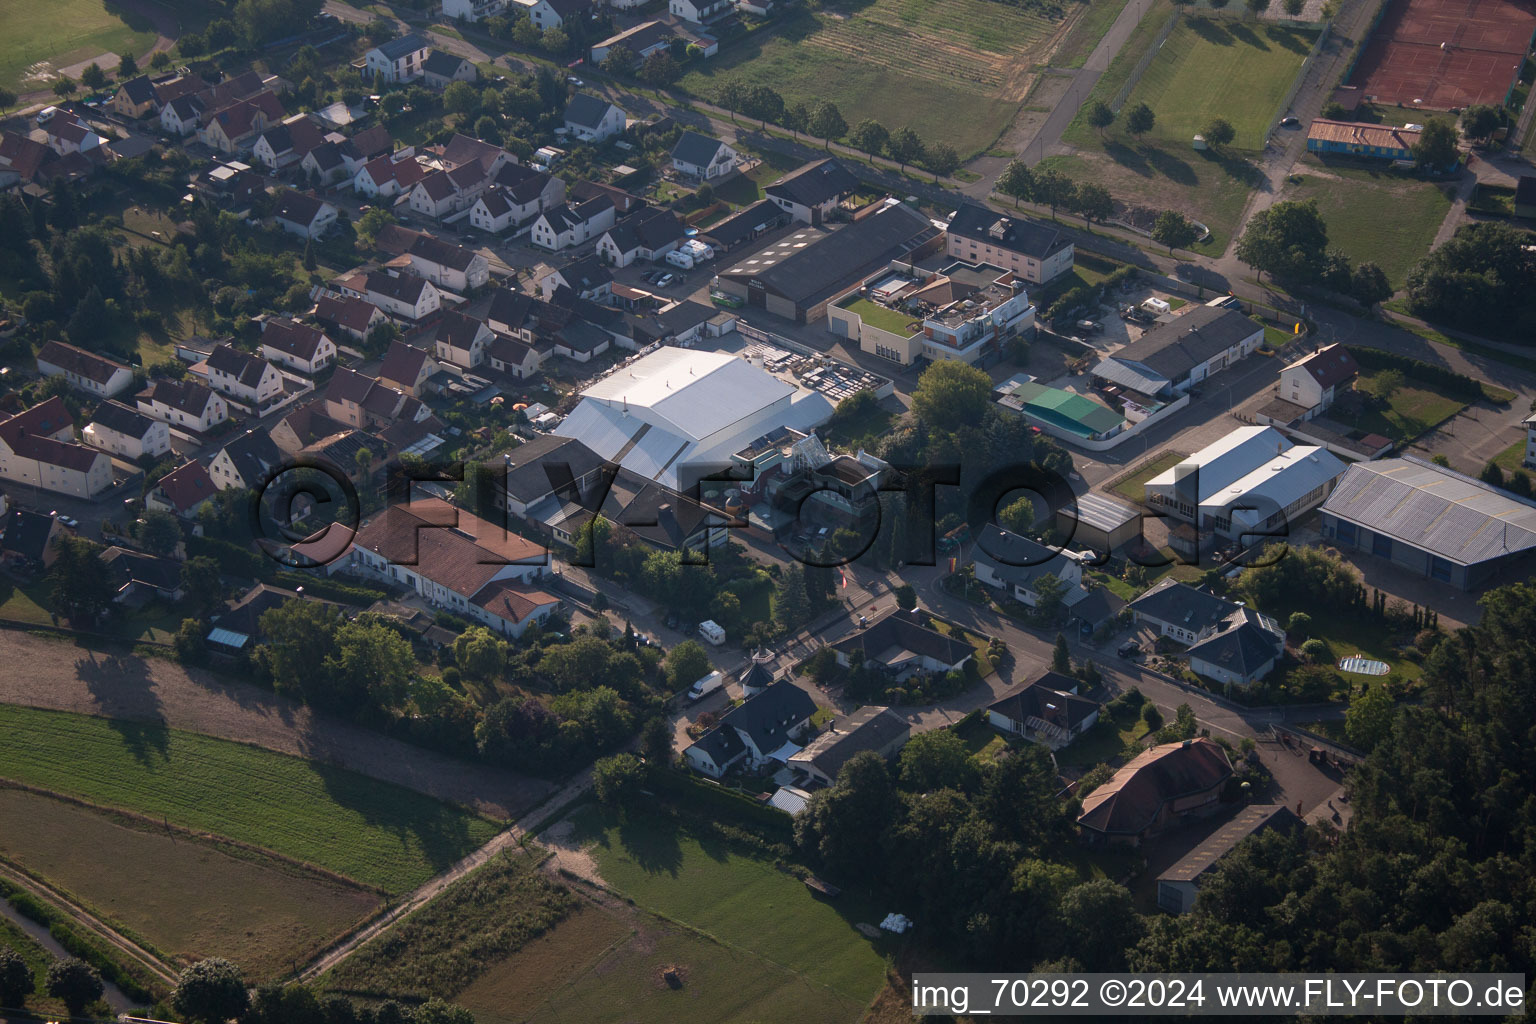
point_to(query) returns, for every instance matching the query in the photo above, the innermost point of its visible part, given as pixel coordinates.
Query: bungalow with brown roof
(901, 646)
(1157, 789)
(1045, 709)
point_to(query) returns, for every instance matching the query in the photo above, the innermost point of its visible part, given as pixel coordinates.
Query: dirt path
(60, 675)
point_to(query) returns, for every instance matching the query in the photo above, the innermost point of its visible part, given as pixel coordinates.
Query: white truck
(706, 686)
(712, 632)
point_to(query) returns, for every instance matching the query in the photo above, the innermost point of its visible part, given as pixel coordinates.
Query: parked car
(1088, 327)
(665, 279)
(69, 521)
(1129, 650)
(1289, 122)
(573, 80)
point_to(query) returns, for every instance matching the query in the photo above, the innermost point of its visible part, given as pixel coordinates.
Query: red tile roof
(447, 545)
(187, 486)
(1129, 803)
(511, 600)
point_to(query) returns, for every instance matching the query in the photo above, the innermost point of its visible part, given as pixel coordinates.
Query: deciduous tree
(870, 136)
(1219, 132)
(617, 780)
(1093, 203)
(905, 146)
(1436, 148)
(827, 122)
(74, 983)
(951, 394)
(1139, 120)
(942, 160)
(1100, 115)
(210, 992)
(16, 981)
(1017, 181)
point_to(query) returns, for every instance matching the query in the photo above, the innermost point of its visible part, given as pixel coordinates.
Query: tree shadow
(1171, 167)
(1289, 38)
(1131, 159)
(1243, 34)
(651, 841)
(439, 830)
(1235, 167)
(123, 690)
(1210, 30)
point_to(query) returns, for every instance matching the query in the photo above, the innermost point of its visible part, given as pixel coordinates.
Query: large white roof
(1229, 460)
(1279, 482)
(693, 394)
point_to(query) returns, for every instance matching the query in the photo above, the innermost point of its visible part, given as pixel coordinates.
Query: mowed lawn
(62, 32)
(1218, 68)
(1410, 411)
(373, 832)
(188, 899)
(1374, 215)
(915, 63)
(743, 901)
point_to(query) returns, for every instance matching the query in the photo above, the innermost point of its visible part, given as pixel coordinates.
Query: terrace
(882, 317)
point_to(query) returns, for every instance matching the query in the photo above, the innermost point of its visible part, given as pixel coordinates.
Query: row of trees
(71, 981)
(1047, 186)
(1290, 241)
(213, 992)
(823, 120)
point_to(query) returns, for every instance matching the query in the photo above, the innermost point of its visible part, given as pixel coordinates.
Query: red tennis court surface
(1446, 53)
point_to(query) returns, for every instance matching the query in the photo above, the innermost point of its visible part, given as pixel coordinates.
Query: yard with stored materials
(1373, 215)
(43, 36)
(372, 832)
(185, 897)
(952, 70)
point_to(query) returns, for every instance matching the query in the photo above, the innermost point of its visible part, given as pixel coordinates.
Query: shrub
(1299, 623)
(1316, 651)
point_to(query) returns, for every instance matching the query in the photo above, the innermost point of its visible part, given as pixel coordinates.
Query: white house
(181, 116)
(38, 449)
(441, 68)
(247, 462)
(406, 367)
(304, 215)
(84, 370)
(811, 193)
(68, 134)
(647, 234)
(590, 119)
(244, 377)
(1015, 564)
(1313, 381)
(285, 144)
(1181, 612)
(1045, 709)
(567, 225)
(389, 175)
(185, 403)
(346, 315)
(398, 60)
(407, 296)
(182, 491)
(1241, 652)
(898, 646)
(442, 193)
(701, 157)
(1173, 357)
(124, 431)
(698, 11)
(326, 164)
(756, 733)
(448, 266)
(515, 196)
(297, 346)
(472, 10)
(548, 14)
(461, 340)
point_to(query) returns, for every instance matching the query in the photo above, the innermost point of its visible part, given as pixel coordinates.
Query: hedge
(238, 561)
(74, 943)
(1458, 385)
(695, 792)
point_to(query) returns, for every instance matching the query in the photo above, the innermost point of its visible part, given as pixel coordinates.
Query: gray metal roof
(1435, 509)
(1100, 513)
(1249, 821)
(1171, 350)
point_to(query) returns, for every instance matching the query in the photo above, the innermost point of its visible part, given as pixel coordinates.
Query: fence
(1308, 70)
(1142, 65)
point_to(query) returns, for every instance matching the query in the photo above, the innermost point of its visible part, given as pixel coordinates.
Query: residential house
(68, 134)
(549, 472)
(515, 196)
(513, 357)
(590, 119)
(440, 68)
(1241, 652)
(136, 577)
(387, 176)
(699, 156)
(1181, 612)
(287, 143)
(182, 116)
(170, 88)
(462, 150)
(1315, 380)
(460, 340)
(125, 431)
(29, 541)
(548, 14)
(304, 215)
(764, 729)
(1372, 141)
(182, 491)
(450, 267)
(326, 164)
(1016, 564)
(1155, 790)
(647, 234)
(184, 403)
(1045, 709)
(643, 39)
(565, 225)
(297, 346)
(588, 277)
(878, 730)
(623, 202)
(23, 160)
(900, 646)
(363, 403)
(38, 448)
(84, 370)
(1173, 357)
(493, 212)
(446, 192)
(397, 60)
(685, 323)
(407, 296)
(232, 129)
(698, 11)
(345, 315)
(247, 462)
(407, 368)
(472, 10)
(811, 192)
(455, 561)
(242, 376)
(135, 98)
(1178, 887)
(1035, 251)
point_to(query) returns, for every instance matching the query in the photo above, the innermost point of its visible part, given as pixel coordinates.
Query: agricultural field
(739, 899)
(901, 62)
(187, 899)
(1221, 68)
(1374, 215)
(377, 834)
(42, 36)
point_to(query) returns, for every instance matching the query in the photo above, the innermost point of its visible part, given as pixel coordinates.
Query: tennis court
(1446, 53)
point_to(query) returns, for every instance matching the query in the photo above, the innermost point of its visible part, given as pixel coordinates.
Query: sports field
(1211, 68)
(43, 35)
(187, 899)
(953, 70)
(373, 832)
(1374, 215)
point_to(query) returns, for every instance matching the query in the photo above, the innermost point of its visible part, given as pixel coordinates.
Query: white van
(46, 114)
(706, 686)
(712, 632)
(680, 259)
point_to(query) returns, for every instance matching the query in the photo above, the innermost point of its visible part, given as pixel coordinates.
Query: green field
(1132, 486)
(1410, 411)
(1374, 215)
(902, 62)
(187, 899)
(1221, 68)
(743, 901)
(61, 33)
(373, 832)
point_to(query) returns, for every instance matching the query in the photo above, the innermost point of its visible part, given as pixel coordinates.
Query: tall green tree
(1099, 115)
(827, 123)
(1219, 132)
(869, 136)
(791, 600)
(1093, 203)
(1138, 120)
(210, 992)
(1174, 230)
(938, 759)
(1287, 240)
(16, 982)
(686, 664)
(1017, 181)
(1061, 656)
(765, 104)
(942, 160)
(1437, 145)
(1054, 189)
(617, 780)
(78, 587)
(74, 983)
(905, 146)
(951, 394)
